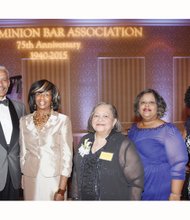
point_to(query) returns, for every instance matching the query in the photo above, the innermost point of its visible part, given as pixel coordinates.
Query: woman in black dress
(106, 164)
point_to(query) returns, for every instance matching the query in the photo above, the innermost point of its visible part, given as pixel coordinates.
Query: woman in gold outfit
(46, 145)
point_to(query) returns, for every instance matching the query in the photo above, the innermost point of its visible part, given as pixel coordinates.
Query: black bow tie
(4, 102)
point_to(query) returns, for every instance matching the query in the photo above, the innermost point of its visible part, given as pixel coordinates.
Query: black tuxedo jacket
(9, 154)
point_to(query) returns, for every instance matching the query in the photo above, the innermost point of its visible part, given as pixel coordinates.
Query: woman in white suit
(46, 145)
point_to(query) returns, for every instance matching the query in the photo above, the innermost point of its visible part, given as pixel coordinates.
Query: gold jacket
(49, 150)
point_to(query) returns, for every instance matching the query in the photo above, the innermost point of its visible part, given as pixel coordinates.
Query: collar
(52, 120)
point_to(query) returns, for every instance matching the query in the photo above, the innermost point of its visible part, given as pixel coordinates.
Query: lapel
(15, 123)
(2, 138)
(15, 132)
(52, 120)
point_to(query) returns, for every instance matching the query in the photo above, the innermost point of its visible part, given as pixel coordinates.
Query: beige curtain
(120, 79)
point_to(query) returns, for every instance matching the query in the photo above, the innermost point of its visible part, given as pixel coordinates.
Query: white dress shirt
(6, 122)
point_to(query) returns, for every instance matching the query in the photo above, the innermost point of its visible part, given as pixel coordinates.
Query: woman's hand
(175, 197)
(58, 197)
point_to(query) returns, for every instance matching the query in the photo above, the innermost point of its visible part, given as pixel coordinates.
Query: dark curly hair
(187, 97)
(161, 104)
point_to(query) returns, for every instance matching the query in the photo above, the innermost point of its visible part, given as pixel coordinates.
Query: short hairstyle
(161, 104)
(41, 86)
(187, 97)
(4, 69)
(113, 109)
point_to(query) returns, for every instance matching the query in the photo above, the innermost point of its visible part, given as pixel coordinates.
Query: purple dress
(164, 156)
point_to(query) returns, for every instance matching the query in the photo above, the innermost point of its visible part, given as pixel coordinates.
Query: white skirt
(40, 187)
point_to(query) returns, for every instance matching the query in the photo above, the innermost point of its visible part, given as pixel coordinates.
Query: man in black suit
(10, 113)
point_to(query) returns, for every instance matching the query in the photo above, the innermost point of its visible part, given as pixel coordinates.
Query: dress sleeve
(176, 151)
(132, 168)
(74, 185)
(66, 143)
(22, 145)
(75, 174)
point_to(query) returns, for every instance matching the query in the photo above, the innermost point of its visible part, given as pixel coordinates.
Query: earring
(51, 106)
(35, 107)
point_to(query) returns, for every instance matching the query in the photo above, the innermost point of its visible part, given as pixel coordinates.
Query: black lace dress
(114, 172)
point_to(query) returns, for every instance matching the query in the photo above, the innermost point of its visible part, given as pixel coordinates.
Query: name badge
(106, 156)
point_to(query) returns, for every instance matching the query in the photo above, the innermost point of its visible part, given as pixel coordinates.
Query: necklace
(40, 119)
(98, 143)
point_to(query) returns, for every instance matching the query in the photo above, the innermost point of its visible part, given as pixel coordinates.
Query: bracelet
(176, 195)
(61, 191)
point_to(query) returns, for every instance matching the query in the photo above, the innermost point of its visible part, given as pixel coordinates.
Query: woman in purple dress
(161, 148)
